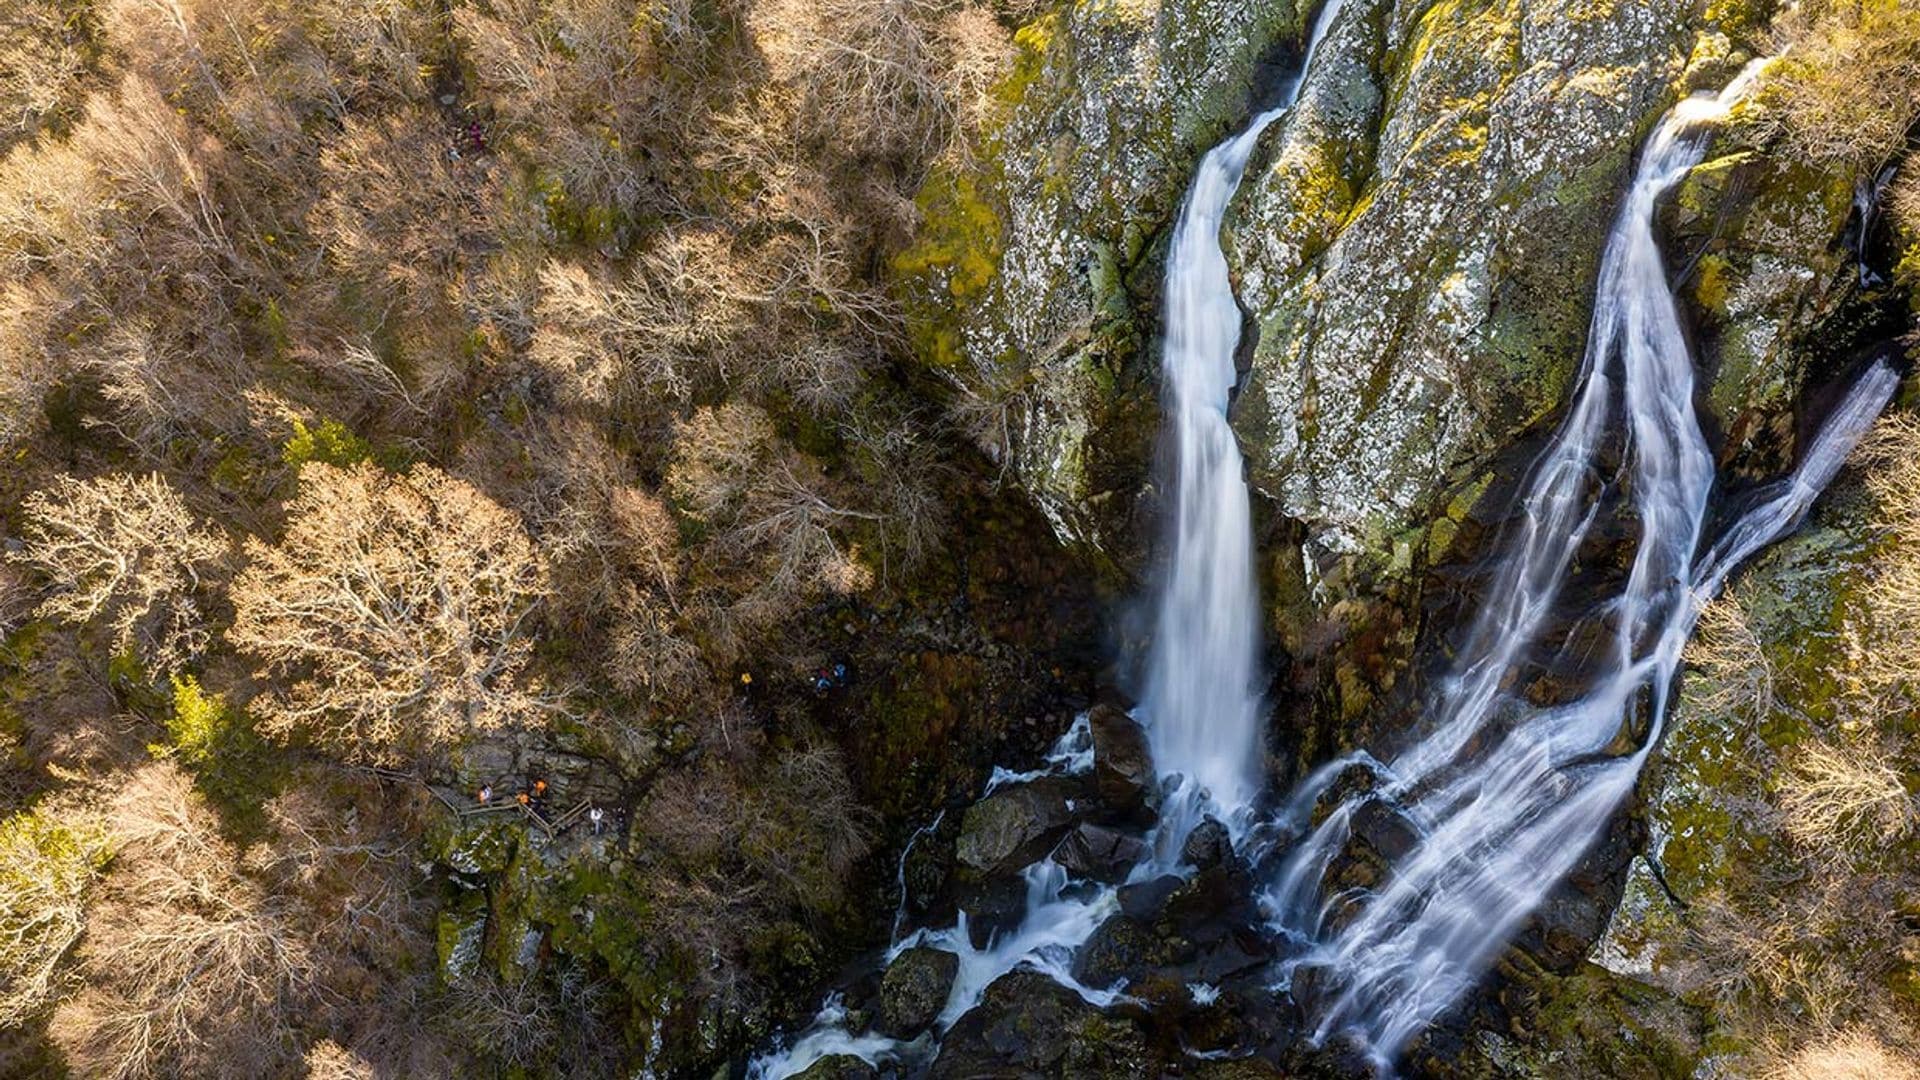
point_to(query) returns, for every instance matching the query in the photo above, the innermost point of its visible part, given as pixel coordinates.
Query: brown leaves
(126, 552)
(396, 613)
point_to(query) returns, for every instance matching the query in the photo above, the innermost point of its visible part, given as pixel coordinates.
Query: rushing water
(1202, 704)
(1202, 707)
(1501, 797)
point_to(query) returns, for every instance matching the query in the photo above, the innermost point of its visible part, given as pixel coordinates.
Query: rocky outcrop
(1415, 245)
(1705, 806)
(1419, 244)
(1031, 285)
(914, 989)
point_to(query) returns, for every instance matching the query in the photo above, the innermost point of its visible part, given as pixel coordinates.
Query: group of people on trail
(830, 678)
(534, 801)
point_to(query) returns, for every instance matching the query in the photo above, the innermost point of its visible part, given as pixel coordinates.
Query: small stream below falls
(1074, 871)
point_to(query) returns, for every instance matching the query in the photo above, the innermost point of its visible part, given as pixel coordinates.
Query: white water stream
(1202, 707)
(1502, 797)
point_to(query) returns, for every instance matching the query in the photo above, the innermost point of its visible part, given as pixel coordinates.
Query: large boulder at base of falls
(1008, 830)
(1029, 1025)
(914, 990)
(1122, 764)
(1207, 846)
(1098, 853)
(1038, 258)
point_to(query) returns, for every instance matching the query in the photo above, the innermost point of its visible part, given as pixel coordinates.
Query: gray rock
(914, 990)
(1099, 853)
(1010, 829)
(1026, 280)
(1122, 764)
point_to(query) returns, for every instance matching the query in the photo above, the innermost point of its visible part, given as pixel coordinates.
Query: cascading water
(1503, 798)
(1202, 702)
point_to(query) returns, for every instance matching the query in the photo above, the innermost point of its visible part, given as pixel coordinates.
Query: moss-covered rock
(1421, 244)
(914, 990)
(1036, 257)
(1762, 233)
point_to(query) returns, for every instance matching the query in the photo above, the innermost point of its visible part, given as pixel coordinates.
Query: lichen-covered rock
(1588, 1023)
(1420, 245)
(1006, 831)
(1705, 809)
(1036, 258)
(1762, 233)
(914, 990)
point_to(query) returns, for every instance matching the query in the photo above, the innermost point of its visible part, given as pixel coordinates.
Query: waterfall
(1202, 704)
(1502, 797)
(1202, 707)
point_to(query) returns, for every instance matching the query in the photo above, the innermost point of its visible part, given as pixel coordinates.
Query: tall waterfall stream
(1500, 797)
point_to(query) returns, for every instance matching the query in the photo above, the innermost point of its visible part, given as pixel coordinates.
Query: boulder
(839, 1067)
(1144, 900)
(1026, 1025)
(1377, 836)
(1122, 764)
(914, 990)
(1010, 829)
(1207, 846)
(1099, 853)
(1122, 948)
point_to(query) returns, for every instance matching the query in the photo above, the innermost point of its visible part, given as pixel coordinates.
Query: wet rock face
(1010, 829)
(914, 990)
(1122, 764)
(1034, 279)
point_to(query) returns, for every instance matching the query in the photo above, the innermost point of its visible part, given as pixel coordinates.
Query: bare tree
(1843, 798)
(396, 613)
(1842, 93)
(42, 65)
(188, 969)
(49, 860)
(125, 551)
(1738, 677)
(1853, 1053)
(328, 1060)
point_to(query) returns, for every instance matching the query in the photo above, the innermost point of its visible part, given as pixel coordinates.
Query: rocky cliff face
(1415, 247)
(1033, 281)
